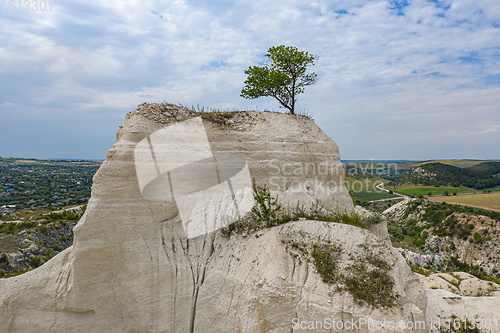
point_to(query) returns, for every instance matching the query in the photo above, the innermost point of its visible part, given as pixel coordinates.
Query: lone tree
(284, 78)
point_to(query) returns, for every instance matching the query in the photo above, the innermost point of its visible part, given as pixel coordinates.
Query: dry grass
(458, 163)
(490, 201)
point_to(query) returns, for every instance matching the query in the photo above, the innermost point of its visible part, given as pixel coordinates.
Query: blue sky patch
(434, 74)
(217, 63)
(471, 59)
(158, 14)
(398, 6)
(441, 4)
(493, 80)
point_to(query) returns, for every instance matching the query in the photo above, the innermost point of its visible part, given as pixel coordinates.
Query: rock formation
(148, 255)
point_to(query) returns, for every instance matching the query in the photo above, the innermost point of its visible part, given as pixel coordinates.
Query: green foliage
(63, 216)
(267, 213)
(430, 191)
(22, 271)
(266, 207)
(10, 228)
(326, 260)
(438, 212)
(369, 280)
(35, 262)
(477, 238)
(38, 181)
(488, 168)
(284, 78)
(447, 175)
(455, 265)
(419, 239)
(419, 270)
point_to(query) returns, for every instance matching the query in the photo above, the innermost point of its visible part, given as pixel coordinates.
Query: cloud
(471, 131)
(395, 67)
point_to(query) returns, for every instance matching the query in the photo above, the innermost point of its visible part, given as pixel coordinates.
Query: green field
(363, 188)
(372, 195)
(425, 190)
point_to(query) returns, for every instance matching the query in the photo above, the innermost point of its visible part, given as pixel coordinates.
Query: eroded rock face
(442, 304)
(136, 266)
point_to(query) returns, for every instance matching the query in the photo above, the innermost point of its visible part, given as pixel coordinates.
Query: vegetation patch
(438, 212)
(429, 190)
(369, 281)
(34, 246)
(361, 185)
(326, 258)
(268, 213)
(363, 274)
(12, 227)
(41, 184)
(479, 177)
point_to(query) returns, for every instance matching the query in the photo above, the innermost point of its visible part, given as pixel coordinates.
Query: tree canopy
(283, 78)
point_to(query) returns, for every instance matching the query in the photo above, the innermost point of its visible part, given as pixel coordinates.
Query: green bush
(267, 213)
(326, 259)
(369, 281)
(35, 262)
(266, 207)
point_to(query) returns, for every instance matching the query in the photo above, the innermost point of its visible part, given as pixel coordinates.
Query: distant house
(55, 197)
(10, 190)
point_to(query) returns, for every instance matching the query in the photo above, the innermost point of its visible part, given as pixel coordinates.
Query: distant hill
(481, 176)
(489, 168)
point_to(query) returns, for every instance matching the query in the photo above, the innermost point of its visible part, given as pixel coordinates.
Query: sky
(410, 79)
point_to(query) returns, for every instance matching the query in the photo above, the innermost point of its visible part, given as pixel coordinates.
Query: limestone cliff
(148, 255)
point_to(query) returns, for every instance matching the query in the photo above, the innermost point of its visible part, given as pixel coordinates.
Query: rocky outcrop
(35, 246)
(422, 172)
(445, 307)
(460, 283)
(148, 255)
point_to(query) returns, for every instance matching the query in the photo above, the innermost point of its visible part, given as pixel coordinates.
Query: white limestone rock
(133, 266)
